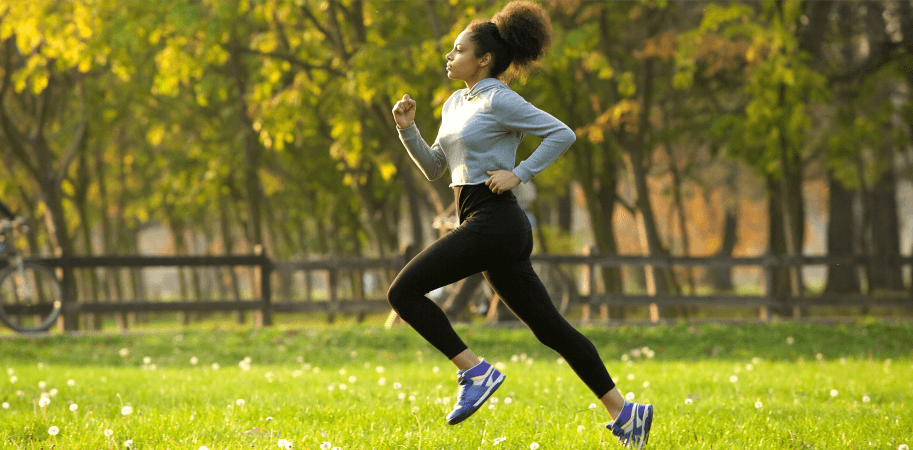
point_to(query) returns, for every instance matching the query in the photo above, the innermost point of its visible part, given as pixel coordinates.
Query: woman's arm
(430, 159)
(515, 113)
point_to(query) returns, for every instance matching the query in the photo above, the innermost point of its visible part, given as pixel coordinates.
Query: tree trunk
(886, 273)
(721, 276)
(841, 278)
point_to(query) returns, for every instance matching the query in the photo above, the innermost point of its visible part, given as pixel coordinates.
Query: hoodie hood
(483, 86)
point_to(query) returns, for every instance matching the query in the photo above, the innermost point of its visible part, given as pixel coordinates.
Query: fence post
(333, 286)
(767, 270)
(266, 288)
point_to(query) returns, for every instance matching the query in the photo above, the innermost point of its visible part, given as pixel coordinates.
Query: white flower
(44, 402)
(109, 433)
(71, 383)
(239, 402)
(53, 431)
(903, 447)
(397, 385)
(866, 399)
(203, 447)
(435, 369)
(42, 385)
(194, 360)
(74, 407)
(380, 369)
(53, 392)
(14, 379)
(733, 379)
(336, 448)
(834, 393)
(508, 401)
(630, 376)
(352, 379)
(593, 406)
(533, 446)
(630, 396)
(401, 396)
(580, 428)
(688, 401)
(215, 366)
(343, 387)
(128, 443)
(758, 404)
(126, 410)
(382, 381)
(147, 360)
(284, 443)
(326, 446)
(6, 405)
(646, 384)
(124, 352)
(790, 340)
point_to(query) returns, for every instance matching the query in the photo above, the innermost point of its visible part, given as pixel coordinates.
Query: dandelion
(688, 401)
(733, 379)
(629, 397)
(508, 401)
(283, 443)
(44, 402)
(42, 385)
(14, 379)
(790, 340)
(5, 405)
(499, 440)
(630, 376)
(397, 385)
(534, 446)
(53, 392)
(580, 428)
(646, 384)
(128, 443)
(401, 396)
(866, 399)
(382, 381)
(592, 406)
(147, 360)
(74, 407)
(239, 402)
(834, 393)
(124, 352)
(71, 383)
(625, 358)
(53, 431)
(215, 366)
(126, 410)
(380, 369)
(109, 433)
(194, 360)
(326, 446)
(758, 404)
(903, 447)
(343, 387)
(491, 406)
(749, 367)
(352, 379)
(435, 369)
(203, 447)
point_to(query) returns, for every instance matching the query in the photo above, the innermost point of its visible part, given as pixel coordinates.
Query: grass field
(777, 386)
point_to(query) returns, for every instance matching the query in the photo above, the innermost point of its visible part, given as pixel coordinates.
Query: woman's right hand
(404, 112)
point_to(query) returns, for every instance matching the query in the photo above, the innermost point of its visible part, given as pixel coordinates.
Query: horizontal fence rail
(280, 285)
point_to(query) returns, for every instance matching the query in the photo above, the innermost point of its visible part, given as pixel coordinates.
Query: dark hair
(518, 35)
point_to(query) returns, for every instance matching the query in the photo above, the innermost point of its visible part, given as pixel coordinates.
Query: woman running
(481, 128)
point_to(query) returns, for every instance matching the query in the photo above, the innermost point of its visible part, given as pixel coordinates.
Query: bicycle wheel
(556, 283)
(30, 298)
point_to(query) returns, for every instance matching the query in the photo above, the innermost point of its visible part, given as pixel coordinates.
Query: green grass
(294, 390)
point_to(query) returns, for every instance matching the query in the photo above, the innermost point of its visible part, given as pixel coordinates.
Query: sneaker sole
(491, 390)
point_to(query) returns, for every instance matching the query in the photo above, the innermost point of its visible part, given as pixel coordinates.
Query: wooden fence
(289, 286)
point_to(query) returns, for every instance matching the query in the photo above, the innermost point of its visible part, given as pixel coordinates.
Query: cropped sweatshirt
(480, 131)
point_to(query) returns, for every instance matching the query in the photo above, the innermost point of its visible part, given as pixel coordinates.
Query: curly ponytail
(518, 35)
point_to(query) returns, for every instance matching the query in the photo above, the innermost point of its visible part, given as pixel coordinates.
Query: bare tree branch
(79, 139)
(284, 57)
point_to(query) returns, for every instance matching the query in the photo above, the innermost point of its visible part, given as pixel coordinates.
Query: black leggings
(504, 261)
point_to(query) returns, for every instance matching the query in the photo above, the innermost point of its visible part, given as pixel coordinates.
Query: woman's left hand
(501, 181)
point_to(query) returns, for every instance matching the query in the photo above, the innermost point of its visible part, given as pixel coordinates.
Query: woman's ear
(485, 60)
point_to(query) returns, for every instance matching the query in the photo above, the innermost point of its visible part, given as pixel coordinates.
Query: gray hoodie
(480, 131)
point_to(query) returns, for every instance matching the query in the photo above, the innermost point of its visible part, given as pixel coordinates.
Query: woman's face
(462, 63)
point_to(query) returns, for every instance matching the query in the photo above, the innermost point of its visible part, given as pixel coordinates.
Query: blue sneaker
(632, 426)
(476, 385)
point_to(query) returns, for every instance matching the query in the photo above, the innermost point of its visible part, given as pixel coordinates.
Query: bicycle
(31, 297)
